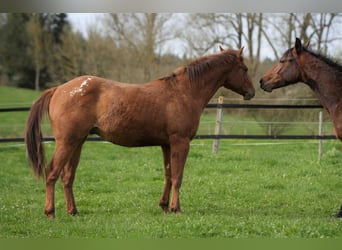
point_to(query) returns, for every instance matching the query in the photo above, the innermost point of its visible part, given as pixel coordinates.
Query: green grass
(11, 97)
(251, 189)
(12, 123)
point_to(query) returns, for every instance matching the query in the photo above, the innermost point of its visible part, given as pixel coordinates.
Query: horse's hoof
(73, 212)
(176, 210)
(50, 214)
(164, 207)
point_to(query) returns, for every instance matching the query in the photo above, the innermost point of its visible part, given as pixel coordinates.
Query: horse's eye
(282, 61)
(291, 60)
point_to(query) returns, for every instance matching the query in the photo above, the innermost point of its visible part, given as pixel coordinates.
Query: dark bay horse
(322, 75)
(164, 112)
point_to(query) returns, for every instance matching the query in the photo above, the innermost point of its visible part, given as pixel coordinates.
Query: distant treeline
(39, 50)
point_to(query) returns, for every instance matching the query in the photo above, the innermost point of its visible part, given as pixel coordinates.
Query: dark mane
(197, 67)
(288, 52)
(325, 59)
(320, 56)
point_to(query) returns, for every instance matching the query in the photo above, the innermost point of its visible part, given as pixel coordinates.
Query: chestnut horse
(322, 75)
(164, 112)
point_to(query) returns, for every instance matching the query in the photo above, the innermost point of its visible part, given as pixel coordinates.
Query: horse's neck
(327, 88)
(204, 90)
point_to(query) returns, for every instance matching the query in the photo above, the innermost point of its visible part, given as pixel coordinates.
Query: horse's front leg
(164, 200)
(179, 153)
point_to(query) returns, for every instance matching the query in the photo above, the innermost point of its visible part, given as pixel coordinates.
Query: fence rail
(215, 105)
(14, 109)
(215, 136)
(204, 137)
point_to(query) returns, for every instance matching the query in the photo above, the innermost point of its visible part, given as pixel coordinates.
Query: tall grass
(251, 189)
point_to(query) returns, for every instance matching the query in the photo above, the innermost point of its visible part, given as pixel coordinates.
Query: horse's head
(238, 79)
(287, 71)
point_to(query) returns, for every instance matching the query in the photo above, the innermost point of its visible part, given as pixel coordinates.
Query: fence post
(320, 133)
(218, 125)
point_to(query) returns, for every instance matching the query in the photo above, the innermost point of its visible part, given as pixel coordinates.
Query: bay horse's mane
(329, 61)
(196, 68)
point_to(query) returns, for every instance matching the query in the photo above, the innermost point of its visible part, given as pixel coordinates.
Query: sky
(81, 22)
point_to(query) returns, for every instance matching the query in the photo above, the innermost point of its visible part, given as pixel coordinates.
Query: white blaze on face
(80, 90)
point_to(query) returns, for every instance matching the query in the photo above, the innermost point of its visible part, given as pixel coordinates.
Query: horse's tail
(33, 133)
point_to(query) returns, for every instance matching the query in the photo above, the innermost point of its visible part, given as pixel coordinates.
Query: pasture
(251, 189)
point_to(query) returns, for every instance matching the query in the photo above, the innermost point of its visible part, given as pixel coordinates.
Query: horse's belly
(129, 141)
(134, 136)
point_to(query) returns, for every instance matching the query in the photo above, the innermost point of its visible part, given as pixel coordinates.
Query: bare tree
(208, 31)
(143, 34)
(321, 26)
(36, 35)
(282, 29)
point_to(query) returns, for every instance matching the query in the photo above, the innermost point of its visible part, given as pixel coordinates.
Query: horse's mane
(326, 59)
(331, 62)
(196, 68)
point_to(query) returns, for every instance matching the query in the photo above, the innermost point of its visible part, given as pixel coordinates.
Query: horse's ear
(221, 49)
(240, 52)
(298, 46)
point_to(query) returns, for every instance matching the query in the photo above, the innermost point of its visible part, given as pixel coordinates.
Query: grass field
(251, 189)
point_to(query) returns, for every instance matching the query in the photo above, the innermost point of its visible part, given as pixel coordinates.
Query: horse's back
(120, 112)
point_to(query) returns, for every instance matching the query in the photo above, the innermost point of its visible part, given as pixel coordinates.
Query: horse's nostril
(261, 81)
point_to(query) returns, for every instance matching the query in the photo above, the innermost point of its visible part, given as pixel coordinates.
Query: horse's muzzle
(264, 86)
(249, 95)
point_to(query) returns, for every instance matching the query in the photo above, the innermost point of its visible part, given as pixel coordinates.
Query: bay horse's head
(238, 80)
(287, 71)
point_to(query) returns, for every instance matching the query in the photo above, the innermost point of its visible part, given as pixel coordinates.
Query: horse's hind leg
(164, 200)
(67, 177)
(62, 155)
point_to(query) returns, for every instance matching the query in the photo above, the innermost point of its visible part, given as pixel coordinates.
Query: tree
(321, 25)
(70, 57)
(208, 31)
(37, 39)
(143, 34)
(316, 28)
(26, 43)
(14, 59)
(56, 24)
